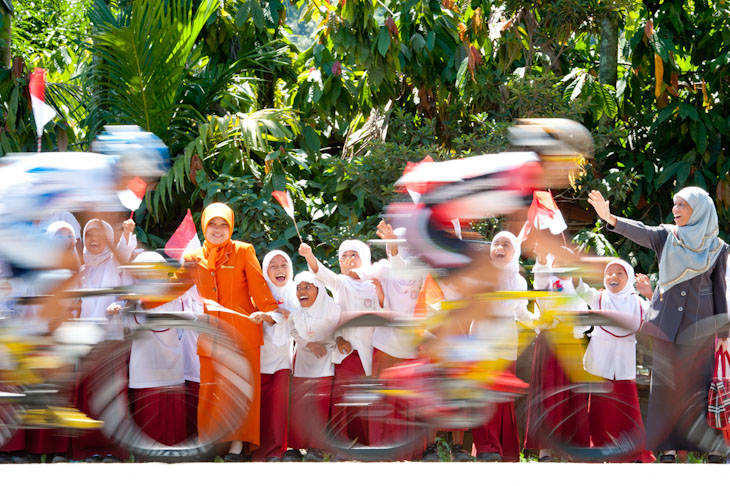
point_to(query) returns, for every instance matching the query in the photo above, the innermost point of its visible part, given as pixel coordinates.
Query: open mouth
(303, 298)
(613, 284)
(280, 278)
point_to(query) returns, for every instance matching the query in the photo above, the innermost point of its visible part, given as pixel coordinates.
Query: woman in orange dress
(228, 273)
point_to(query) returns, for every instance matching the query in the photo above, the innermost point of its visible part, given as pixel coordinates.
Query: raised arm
(652, 237)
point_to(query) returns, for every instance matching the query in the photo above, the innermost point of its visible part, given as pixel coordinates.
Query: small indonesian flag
(132, 196)
(429, 296)
(285, 200)
(42, 112)
(416, 189)
(543, 214)
(184, 239)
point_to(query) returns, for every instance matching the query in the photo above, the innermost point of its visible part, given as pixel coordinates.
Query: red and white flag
(184, 239)
(133, 195)
(415, 189)
(42, 112)
(543, 214)
(285, 200)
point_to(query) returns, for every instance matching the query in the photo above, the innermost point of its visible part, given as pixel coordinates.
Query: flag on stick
(543, 214)
(184, 239)
(285, 200)
(42, 112)
(133, 195)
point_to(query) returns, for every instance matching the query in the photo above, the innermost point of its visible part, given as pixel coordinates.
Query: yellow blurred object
(68, 418)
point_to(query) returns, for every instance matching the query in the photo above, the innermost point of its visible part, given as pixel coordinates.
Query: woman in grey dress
(692, 262)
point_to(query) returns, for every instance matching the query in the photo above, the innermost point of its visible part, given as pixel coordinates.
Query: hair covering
(692, 249)
(360, 248)
(214, 253)
(149, 257)
(509, 271)
(70, 246)
(287, 293)
(324, 313)
(625, 301)
(56, 226)
(65, 216)
(91, 260)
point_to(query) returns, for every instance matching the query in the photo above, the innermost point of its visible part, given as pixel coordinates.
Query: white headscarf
(91, 260)
(56, 226)
(286, 295)
(149, 257)
(509, 274)
(318, 321)
(625, 301)
(691, 249)
(65, 216)
(361, 249)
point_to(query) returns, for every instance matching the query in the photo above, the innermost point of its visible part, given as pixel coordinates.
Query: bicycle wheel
(141, 420)
(580, 416)
(373, 418)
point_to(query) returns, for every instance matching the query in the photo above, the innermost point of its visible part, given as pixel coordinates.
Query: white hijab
(509, 273)
(286, 295)
(318, 321)
(90, 260)
(625, 301)
(364, 271)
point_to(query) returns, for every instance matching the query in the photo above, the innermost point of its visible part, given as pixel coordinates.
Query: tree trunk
(5, 38)
(608, 70)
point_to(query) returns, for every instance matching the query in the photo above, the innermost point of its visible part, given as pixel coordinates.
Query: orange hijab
(214, 253)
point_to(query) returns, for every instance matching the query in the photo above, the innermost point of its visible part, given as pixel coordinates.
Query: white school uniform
(192, 303)
(156, 357)
(401, 295)
(546, 280)
(103, 271)
(611, 353)
(315, 323)
(353, 296)
(499, 335)
(276, 353)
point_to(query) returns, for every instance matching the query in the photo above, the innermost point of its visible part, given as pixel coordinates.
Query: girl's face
(65, 237)
(95, 241)
(502, 250)
(616, 277)
(349, 260)
(307, 293)
(682, 211)
(217, 232)
(279, 271)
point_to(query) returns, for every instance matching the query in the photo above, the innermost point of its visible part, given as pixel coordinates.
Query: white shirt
(351, 301)
(192, 303)
(105, 275)
(156, 358)
(611, 353)
(401, 295)
(544, 280)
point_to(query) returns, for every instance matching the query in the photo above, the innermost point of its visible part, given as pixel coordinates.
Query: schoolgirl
(611, 354)
(276, 358)
(354, 293)
(313, 322)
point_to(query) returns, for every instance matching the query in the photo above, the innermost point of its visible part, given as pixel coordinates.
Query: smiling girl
(611, 354)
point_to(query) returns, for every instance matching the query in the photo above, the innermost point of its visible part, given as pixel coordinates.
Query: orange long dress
(230, 275)
(237, 283)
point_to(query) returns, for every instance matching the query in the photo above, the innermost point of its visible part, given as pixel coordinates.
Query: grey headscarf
(691, 249)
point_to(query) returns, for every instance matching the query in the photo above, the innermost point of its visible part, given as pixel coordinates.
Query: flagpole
(39, 142)
(297, 228)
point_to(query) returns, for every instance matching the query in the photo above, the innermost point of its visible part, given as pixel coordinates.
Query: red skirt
(552, 409)
(46, 441)
(160, 413)
(616, 414)
(353, 420)
(392, 421)
(499, 434)
(192, 389)
(310, 405)
(15, 443)
(274, 414)
(96, 442)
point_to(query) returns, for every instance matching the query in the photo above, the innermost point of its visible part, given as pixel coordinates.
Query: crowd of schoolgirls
(301, 358)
